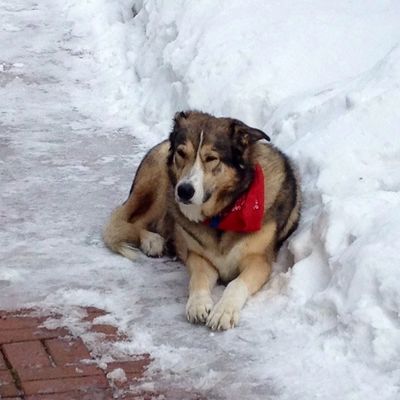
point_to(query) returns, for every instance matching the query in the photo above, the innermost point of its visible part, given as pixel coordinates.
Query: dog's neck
(246, 213)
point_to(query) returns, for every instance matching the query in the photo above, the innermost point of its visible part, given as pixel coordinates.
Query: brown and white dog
(222, 200)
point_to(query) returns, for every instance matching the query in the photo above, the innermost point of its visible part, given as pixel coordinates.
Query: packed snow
(87, 87)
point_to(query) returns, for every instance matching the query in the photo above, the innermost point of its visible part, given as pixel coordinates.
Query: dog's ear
(179, 116)
(178, 119)
(242, 137)
(245, 135)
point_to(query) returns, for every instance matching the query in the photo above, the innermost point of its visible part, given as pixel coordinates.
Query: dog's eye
(210, 159)
(181, 153)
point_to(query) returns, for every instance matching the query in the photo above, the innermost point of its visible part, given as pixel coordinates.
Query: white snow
(117, 375)
(88, 86)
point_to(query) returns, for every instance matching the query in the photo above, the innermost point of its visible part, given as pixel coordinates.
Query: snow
(117, 375)
(88, 86)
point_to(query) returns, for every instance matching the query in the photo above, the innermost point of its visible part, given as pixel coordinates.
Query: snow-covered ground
(86, 87)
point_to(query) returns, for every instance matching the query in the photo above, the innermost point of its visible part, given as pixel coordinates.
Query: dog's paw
(152, 244)
(225, 315)
(198, 307)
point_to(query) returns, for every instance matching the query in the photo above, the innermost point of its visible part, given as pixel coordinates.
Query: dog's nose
(185, 191)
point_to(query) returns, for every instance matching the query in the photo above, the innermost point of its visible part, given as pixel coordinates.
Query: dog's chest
(225, 257)
(227, 262)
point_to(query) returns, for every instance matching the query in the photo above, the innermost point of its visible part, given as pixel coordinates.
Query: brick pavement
(43, 364)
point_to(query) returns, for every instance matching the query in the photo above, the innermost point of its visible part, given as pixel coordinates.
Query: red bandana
(247, 212)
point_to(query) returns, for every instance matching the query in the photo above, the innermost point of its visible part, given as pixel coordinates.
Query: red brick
(64, 385)
(41, 379)
(99, 394)
(130, 367)
(27, 355)
(5, 377)
(3, 364)
(167, 394)
(26, 375)
(93, 312)
(12, 398)
(134, 371)
(66, 351)
(108, 330)
(23, 335)
(14, 322)
(7, 385)
(147, 396)
(154, 396)
(23, 312)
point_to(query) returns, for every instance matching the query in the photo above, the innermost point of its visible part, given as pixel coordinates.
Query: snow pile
(242, 60)
(322, 79)
(351, 222)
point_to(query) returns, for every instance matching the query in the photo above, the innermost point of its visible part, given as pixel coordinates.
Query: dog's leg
(255, 273)
(131, 225)
(203, 277)
(151, 243)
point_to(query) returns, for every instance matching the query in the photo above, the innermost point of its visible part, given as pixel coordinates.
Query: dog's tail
(120, 235)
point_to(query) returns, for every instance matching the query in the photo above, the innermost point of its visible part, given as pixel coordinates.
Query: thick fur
(216, 157)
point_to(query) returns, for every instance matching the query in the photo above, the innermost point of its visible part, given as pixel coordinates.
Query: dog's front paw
(198, 307)
(225, 315)
(152, 244)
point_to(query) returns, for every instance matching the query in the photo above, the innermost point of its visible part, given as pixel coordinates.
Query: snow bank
(351, 219)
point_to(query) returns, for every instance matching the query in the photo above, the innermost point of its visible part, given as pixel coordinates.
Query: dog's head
(209, 162)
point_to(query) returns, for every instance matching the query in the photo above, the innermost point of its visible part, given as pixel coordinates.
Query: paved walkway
(41, 364)
(46, 146)
(60, 171)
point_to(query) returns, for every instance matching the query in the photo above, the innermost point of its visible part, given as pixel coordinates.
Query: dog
(222, 200)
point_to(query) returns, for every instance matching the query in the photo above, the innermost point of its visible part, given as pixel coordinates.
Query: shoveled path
(59, 169)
